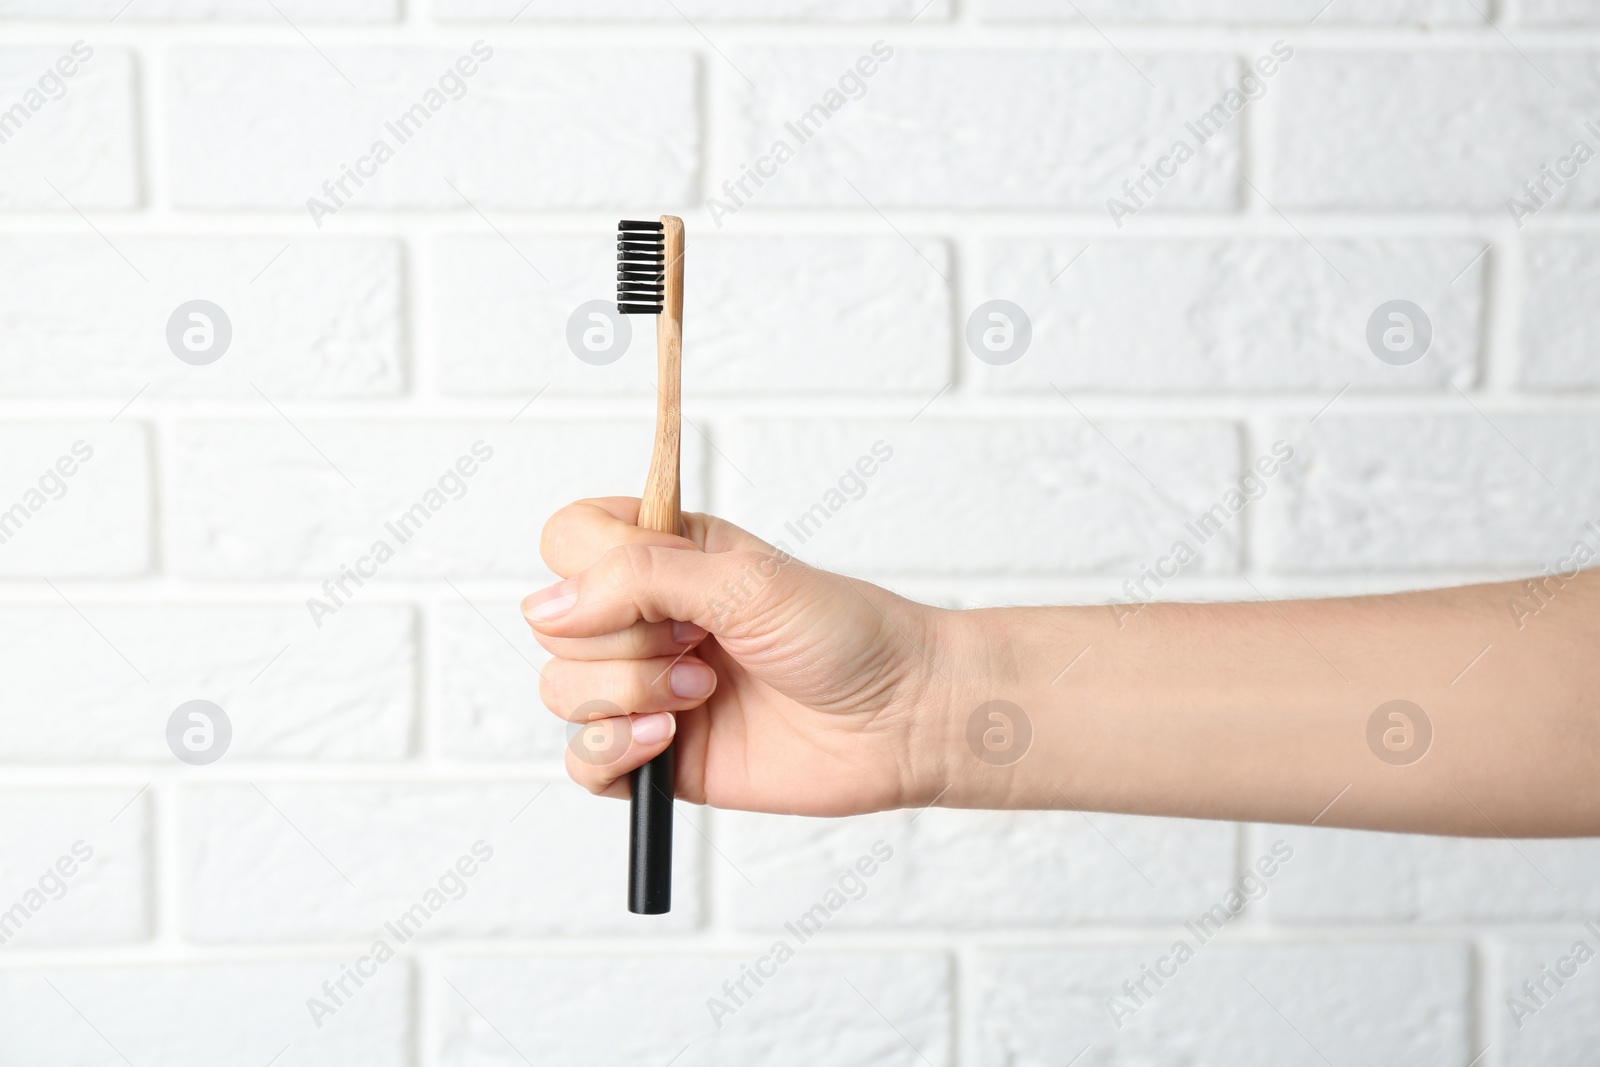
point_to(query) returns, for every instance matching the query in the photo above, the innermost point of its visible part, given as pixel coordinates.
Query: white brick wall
(322, 320)
(530, 129)
(426, 309)
(78, 134)
(922, 137)
(1242, 316)
(1256, 1005)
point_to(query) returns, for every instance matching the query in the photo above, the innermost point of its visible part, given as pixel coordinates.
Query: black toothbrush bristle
(641, 267)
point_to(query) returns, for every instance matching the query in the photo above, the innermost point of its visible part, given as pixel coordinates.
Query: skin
(805, 692)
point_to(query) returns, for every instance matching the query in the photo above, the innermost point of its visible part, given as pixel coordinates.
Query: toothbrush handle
(650, 808)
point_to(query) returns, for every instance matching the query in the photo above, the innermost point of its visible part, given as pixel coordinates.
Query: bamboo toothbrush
(650, 282)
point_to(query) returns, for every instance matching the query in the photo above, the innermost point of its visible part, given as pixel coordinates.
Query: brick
(93, 521)
(488, 665)
(254, 499)
(1432, 492)
(1392, 130)
(770, 315)
(558, 863)
(289, 690)
(1295, 14)
(206, 1013)
(828, 314)
(920, 137)
(1014, 868)
(709, 10)
(76, 133)
(312, 11)
(1558, 1025)
(1229, 315)
(1358, 876)
(305, 317)
(897, 1014)
(1042, 1006)
(1088, 509)
(1560, 327)
(531, 129)
(74, 867)
(501, 323)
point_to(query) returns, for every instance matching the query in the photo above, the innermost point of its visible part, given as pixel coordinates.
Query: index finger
(577, 536)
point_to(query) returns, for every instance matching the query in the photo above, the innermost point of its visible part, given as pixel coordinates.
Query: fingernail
(687, 633)
(551, 602)
(653, 728)
(690, 680)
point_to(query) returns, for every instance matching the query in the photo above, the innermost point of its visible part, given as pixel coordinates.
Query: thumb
(719, 591)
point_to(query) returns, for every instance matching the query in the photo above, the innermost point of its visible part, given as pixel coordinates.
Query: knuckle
(647, 680)
(634, 642)
(628, 566)
(757, 580)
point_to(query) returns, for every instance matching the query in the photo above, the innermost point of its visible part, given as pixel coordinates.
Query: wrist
(975, 731)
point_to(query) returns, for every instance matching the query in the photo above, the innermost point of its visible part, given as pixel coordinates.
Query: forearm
(1261, 712)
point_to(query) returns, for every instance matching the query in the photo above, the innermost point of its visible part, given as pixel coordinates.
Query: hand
(788, 689)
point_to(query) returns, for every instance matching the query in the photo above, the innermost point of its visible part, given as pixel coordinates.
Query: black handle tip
(650, 837)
